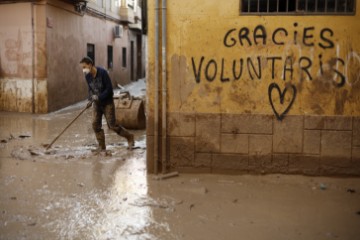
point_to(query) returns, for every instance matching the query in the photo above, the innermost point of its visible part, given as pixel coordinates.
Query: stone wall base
(261, 144)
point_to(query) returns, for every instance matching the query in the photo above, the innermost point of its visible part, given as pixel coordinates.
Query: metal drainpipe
(164, 93)
(33, 58)
(156, 92)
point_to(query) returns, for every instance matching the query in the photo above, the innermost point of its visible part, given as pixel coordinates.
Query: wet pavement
(71, 193)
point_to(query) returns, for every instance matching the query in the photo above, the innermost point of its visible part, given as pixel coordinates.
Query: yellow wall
(198, 29)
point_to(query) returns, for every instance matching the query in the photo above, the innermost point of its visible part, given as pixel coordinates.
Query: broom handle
(49, 146)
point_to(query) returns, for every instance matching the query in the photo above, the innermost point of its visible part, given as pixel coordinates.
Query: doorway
(139, 56)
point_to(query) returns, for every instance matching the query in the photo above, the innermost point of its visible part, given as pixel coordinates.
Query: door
(132, 64)
(139, 56)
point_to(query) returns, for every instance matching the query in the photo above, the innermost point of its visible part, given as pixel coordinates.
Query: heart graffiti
(272, 86)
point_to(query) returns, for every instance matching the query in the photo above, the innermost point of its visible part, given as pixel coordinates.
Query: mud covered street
(71, 193)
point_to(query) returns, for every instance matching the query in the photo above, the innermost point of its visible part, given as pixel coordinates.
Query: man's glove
(89, 104)
(94, 98)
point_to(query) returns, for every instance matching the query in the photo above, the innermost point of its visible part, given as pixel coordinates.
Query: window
(124, 57)
(306, 7)
(110, 57)
(91, 51)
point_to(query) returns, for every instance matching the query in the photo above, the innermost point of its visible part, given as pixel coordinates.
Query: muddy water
(70, 193)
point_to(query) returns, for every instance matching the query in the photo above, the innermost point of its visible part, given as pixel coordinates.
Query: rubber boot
(129, 137)
(100, 137)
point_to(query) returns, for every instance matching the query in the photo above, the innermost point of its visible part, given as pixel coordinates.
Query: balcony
(127, 15)
(137, 20)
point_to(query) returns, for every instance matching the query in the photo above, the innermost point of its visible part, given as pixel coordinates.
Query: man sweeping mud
(101, 97)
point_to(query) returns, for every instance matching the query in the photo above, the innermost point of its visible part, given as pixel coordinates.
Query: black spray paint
(226, 70)
(273, 86)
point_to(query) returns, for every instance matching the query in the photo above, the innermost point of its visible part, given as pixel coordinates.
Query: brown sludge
(70, 193)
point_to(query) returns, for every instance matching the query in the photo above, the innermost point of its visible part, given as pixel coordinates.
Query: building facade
(254, 87)
(42, 42)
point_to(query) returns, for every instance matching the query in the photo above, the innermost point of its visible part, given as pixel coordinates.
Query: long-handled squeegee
(49, 146)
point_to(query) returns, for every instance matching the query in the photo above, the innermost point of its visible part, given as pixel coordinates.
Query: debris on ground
(35, 152)
(21, 154)
(24, 136)
(29, 153)
(50, 152)
(166, 176)
(32, 224)
(136, 89)
(350, 190)
(191, 206)
(134, 148)
(203, 190)
(7, 139)
(323, 186)
(102, 153)
(67, 157)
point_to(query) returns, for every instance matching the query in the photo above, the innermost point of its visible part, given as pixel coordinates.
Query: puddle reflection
(74, 194)
(109, 213)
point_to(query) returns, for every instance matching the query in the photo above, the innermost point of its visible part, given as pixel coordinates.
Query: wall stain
(172, 125)
(353, 70)
(16, 58)
(340, 100)
(41, 105)
(181, 84)
(181, 151)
